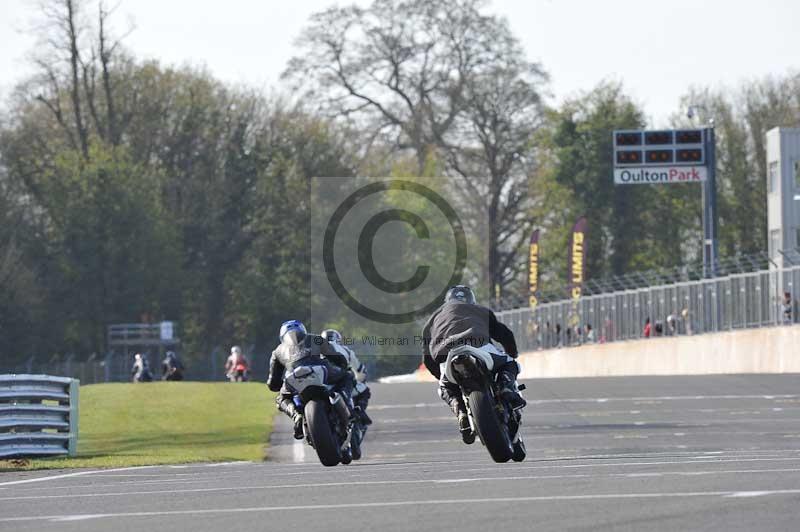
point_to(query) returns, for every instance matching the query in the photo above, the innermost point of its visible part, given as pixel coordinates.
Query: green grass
(167, 423)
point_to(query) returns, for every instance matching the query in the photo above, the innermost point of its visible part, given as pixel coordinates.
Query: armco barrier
(38, 415)
(764, 350)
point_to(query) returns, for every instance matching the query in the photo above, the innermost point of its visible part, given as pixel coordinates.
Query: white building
(783, 195)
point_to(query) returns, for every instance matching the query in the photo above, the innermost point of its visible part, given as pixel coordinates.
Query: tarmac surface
(637, 453)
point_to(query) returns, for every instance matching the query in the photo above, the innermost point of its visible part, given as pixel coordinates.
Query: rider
(171, 367)
(141, 369)
(361, 392)
(236, 366)
(298, 348)
(461, 321)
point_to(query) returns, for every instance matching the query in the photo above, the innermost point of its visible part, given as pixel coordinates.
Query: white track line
(70, 475)
(389, 504)
(354, 483)
(607, 400)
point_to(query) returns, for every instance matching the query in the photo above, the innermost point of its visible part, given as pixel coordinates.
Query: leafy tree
(630, 227)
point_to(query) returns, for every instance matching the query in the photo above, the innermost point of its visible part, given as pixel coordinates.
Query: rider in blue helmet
(298, 348)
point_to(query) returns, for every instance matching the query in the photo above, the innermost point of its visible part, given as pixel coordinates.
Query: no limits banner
(577, 259)
(533, 270)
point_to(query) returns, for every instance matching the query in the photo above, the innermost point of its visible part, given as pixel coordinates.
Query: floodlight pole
(710, 240)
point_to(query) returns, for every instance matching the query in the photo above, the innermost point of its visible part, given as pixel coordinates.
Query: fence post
(74, 412)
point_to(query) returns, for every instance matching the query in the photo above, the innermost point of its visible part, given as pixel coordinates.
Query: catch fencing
(737, 301)
(38, 415)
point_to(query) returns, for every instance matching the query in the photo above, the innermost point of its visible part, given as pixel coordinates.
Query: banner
(577, 259)
(533, 270)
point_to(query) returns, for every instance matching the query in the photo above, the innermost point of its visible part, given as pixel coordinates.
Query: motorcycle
(238, 373)
(326, 418)
(495, 422)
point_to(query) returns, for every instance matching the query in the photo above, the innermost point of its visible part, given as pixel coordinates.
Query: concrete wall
(766, 350)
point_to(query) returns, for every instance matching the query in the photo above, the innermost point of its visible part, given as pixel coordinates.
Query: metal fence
(735, 301)
(38, 415)
(116, 365)
(557, 290)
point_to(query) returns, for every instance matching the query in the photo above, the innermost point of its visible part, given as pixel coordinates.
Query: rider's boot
(297, 419)
(451, 395)
(362, 401)
(467, 435)
(362, 416)
(287, 406)
(509, 391)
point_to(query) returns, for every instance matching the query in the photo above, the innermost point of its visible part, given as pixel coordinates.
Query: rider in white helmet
(361, 393)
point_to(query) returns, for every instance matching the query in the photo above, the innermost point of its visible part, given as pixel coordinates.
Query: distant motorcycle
(326, 418)
(495, 422)
(238, 373)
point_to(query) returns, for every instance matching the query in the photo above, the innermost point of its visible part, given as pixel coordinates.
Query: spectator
(568, 332)
(659, 328)
(687, 321)
(590, 336)
(171, 368)
(558, 335)
(646, 331)
(787, 307)
(672, 324)
(141, 369)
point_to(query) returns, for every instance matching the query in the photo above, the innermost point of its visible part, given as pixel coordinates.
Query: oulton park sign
(669, 156)
(660, 175)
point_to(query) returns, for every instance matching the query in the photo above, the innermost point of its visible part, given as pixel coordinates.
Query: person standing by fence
(787, 307)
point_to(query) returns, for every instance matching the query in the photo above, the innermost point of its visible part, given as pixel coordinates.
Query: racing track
(654, 453)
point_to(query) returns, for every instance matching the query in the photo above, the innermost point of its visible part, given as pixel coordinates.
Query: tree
(742, 115)
(201, 185)
(400, 67)
(492, 154)
(438, 77)
(630, 227)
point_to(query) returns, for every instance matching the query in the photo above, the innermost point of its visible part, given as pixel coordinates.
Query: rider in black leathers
(460, 321)
(297, 348)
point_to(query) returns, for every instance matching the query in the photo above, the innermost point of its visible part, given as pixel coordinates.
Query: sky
(657, 49)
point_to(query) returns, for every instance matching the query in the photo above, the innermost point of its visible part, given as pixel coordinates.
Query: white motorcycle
(326, 418)
(495, 422)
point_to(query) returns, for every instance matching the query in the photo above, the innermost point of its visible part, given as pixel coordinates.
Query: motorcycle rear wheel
(493, 433)
(319, 428)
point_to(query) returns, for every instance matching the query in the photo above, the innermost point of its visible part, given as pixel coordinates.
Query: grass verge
(166, 423)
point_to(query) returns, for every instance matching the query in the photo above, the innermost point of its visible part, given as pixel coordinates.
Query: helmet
(332, 335)
(292, 332)
(236, 350)
(460, 293)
